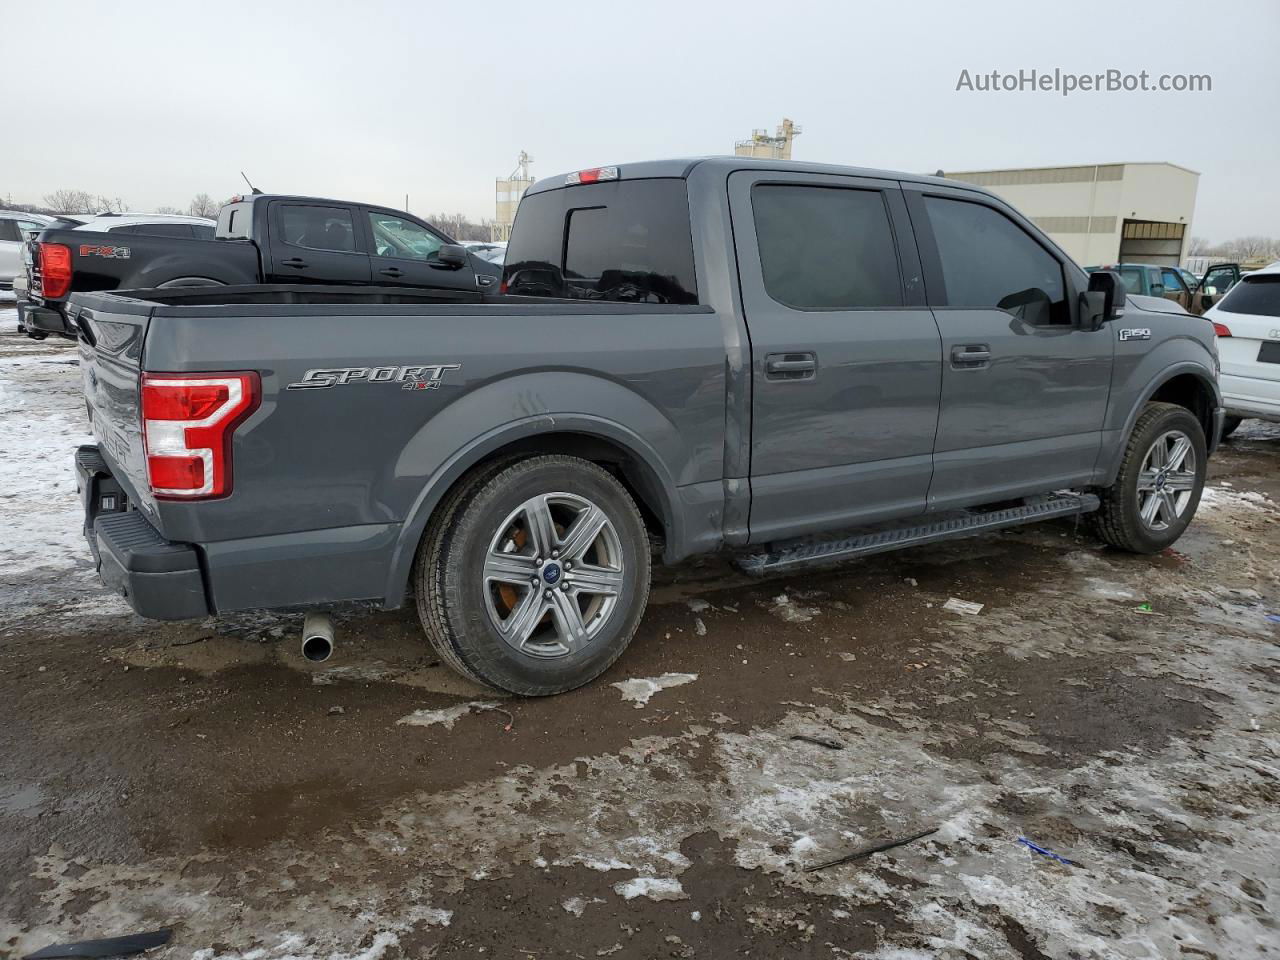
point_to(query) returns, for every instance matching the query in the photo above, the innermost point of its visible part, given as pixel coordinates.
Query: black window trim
(931, 259)
(903, 292)
(357, 235)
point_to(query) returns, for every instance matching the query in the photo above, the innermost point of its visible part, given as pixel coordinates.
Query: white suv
(1247, 322)
(14, 226)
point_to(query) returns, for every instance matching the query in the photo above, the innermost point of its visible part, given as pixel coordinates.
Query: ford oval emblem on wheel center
(551, 572)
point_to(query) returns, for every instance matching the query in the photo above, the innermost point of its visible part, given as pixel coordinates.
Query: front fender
(1146, 379)
(543, 404)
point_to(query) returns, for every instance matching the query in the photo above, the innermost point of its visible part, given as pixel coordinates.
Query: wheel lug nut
(564, 586)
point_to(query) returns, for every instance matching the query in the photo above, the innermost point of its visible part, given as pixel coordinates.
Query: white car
(1247, 322)
(493, 251)
(152, 224)
(14, 226)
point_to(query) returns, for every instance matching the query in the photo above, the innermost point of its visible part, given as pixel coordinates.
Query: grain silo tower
(508, 194)
(776, 147)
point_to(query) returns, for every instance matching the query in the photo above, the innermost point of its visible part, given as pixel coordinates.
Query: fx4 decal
(1135, 333)
(95, 250)
(421, 377)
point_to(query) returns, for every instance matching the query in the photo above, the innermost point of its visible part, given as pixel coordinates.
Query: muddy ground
(203, 777)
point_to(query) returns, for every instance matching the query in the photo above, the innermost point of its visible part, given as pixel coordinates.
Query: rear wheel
(538, 578)
(1229, 425)
(1159, 484)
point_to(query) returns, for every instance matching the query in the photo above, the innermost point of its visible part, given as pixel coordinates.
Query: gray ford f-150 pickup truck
(794, 362)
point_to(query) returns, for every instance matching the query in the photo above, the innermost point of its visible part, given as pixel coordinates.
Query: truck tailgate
(110, 363)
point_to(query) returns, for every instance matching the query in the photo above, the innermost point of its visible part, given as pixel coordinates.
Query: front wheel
(539, 579)
(1159, 484)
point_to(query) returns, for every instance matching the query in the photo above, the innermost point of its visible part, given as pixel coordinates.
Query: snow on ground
(41, 423)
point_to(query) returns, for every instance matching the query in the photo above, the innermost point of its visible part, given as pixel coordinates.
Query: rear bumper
(159, 579)
(46, 320)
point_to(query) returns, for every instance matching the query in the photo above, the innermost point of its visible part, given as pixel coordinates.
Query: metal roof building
(1103, 213)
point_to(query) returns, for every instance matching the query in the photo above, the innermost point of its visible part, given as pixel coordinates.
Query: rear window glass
(627, 242)
(9, 230)
(318, 228)
(1258, 296)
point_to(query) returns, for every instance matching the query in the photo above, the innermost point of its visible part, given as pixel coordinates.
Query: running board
(808, 551)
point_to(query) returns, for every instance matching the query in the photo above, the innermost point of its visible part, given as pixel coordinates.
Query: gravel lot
(203, 776)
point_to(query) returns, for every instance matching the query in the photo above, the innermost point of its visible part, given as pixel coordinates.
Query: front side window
(628, 241)
(826, 248)
(989, 261)
(396, 237)
(318, 228)
(1259, 296)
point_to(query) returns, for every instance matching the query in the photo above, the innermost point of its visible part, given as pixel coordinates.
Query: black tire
(1229, 425)
(1119, 522)
(456, 603)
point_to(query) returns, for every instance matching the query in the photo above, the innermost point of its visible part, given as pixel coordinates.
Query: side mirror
(451, 256)
(1104, 300)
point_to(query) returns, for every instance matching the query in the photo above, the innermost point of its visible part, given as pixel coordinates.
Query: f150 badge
(1135, 333)
(420, 377)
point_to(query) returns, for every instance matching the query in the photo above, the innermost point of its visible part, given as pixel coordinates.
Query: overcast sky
(155, 102)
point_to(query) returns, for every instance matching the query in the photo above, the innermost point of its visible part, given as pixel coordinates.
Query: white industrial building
(1103, 213)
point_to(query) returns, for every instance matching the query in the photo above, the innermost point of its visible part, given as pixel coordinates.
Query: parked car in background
(1174, 283)
(1247, 322)
(13, 225)
(726, 353)
(258, 239)
(495, 251)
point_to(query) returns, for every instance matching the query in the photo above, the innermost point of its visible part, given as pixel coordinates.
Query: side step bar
(808, 551)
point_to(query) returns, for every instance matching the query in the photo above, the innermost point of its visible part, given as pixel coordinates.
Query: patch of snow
(445, 717)
(640, 689)
(1221, 498)
(698, 605)
(786, 609)
(576, 905)
(699, 627)
(655, 888)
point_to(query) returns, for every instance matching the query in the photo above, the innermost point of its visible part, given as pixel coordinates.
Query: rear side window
(9, 230)
(626, 242)
(203, 231)
(1132, 277)
(989, 261)
(1258, 296)
(826, 248)
(318, 228)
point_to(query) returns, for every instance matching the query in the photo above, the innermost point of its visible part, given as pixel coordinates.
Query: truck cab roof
(682, 167)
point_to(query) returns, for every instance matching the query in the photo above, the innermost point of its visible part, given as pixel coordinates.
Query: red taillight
(55, 269)
(187, 423)
(1221, 330)
(594, 175)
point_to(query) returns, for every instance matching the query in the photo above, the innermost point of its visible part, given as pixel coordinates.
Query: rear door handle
(392, 272)
(296, 262)
(790, 366)
(970, 355)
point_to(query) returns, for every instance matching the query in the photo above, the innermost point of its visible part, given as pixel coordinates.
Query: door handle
(296, 262)
(790, 366)
(970, 355)
(392, 272)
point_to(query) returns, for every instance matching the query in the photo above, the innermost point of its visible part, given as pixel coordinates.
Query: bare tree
(69, 201)
(167, 210)
(1246, 248)
(202, 205)
(1199, 247)
(460, 227)
(110, 204)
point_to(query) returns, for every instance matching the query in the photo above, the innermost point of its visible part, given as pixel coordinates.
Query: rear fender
(447, 446)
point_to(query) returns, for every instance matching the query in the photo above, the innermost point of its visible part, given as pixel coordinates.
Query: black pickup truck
(260, 239)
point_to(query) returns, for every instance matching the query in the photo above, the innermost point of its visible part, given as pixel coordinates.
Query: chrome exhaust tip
(317, 637)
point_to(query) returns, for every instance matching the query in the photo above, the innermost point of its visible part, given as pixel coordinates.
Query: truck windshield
(626, 241)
